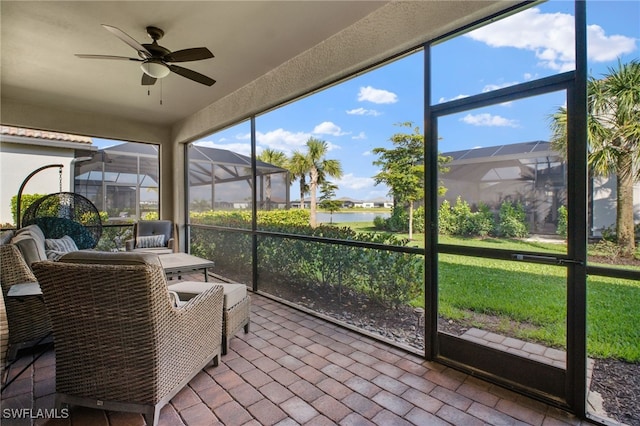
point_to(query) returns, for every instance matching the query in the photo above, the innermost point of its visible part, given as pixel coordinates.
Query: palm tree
(299, 167)
(276, 158)
(613, 131)
(320, 169)
(314, 166)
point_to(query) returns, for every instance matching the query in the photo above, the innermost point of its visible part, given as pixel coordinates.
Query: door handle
(545, 259)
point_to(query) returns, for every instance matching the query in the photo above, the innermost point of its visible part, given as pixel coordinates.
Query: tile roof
(42, 134)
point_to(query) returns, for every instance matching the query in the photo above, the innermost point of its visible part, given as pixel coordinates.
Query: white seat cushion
(233, 293)
(154, 250)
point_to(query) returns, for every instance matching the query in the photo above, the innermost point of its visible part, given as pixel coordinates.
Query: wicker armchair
(146, 231)
(27, 317)
(120, 343)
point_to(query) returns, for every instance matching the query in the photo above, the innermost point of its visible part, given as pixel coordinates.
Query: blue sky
(360, 114)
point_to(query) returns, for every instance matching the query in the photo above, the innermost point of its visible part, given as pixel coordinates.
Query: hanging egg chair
(66, 213)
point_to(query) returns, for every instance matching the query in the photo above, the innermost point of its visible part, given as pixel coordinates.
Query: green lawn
(528, 300)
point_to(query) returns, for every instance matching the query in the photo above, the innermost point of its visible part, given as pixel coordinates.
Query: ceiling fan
(157, 61)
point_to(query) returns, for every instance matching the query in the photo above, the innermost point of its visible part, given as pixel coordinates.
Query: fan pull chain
(149, 91)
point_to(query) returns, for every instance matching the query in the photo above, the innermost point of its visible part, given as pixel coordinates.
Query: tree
(320, 169)
(403, 168)
(299, 168)
(613, 132)
(317, 168)
(327, 201)
(276, 158)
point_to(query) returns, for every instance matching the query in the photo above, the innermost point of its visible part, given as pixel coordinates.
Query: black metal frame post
(24, 183)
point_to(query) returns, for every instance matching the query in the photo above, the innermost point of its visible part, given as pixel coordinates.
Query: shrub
(242, 218)
(151, 216)
(25, 201)
(380, 223)
(114, 237)
(481, 223)
(231, 219)
(512, 221)
(387, 276)
(446, 221)
(607, 249)
(398, 221)
(562, 221)
(418, 219)
(292, 217)
(461, 220)
(609, 234)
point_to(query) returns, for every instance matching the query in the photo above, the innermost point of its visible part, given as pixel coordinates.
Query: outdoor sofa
(121, 342)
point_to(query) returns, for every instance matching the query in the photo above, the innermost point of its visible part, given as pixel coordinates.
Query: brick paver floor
(293, 368)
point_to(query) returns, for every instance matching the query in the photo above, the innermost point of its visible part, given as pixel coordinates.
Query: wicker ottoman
(235, 310)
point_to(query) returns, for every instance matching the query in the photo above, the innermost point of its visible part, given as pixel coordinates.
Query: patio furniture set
(125, 339)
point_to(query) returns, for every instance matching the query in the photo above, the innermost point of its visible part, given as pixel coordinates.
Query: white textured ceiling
(43, 84)
(39, 40)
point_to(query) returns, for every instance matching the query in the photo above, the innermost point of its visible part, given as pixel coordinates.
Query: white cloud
(367, 153)
(488, 120)
(360, 135)
(490, 87)
(240, 148)
(550, 36)
(279, 139)
(349, 181)
(378, 193)
(443, 99)
(283, 140)
(328, 128)
(364, 111)
(377, 96)
(604, 48)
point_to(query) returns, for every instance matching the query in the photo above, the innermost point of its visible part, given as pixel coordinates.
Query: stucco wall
(604, 204)
(17, 161)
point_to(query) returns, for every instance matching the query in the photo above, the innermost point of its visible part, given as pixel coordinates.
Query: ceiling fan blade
(147, 80)
(128, 39)
(192, 75)
(186, 55)
(121, 58)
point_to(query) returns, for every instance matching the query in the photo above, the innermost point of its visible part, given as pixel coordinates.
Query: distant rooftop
(493, 153)
(40, 134)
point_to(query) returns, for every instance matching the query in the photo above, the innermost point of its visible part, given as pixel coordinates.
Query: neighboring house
(381, 203)
(347, 202)
(531, 173)
(378, 202)
(22, 151)
(295, 204)
(122, 180)
(221, 179)
(603, 205)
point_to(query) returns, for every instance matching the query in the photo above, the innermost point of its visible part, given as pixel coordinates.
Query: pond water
(322, 217)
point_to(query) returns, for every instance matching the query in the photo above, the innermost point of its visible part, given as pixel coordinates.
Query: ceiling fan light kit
(157, 61)
(155, 69)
